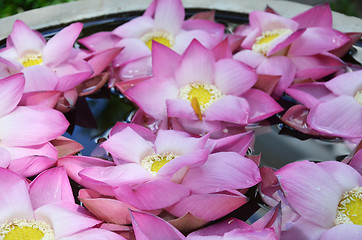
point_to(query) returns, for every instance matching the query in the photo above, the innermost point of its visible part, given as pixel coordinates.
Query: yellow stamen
(160, 37)
(350, 207)
(263, 42)
(21, 229)
(196, 106)
(201, 96)
(155, 162)
(31, 60)
(358, 97)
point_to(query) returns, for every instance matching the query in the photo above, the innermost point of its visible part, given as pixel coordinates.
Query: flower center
(160, 37)
(263, 42)
(201, 96)
(31, 60)
(350, 207)
(358, 97)
(155, 162)
(27, 230)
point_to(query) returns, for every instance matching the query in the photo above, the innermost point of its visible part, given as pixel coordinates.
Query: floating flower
(45, 209)
(162, 22)
(197, 86)
(327, 198)
(47, 66)
(335, 106)
(26, 131)
(291, 48)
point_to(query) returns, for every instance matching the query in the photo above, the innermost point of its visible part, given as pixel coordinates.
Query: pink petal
(135, 28)
(139, 69)
(106, 209)
(216, 30)
(177, 142)
(223, 171)
(153, 102)
(14, 197)
(59, 47)
(219, 229)
(100, 60)
(65, 218)
(311, 192)
(128, 146)
(230, 109)
(164, 60)
(343, 231)
(233, 77)
(250, 58)
(100, 41)
(236, 143)
(278, 66)
(152, 195)
(317, 40)
(129, 173)
(343, 174)
(180, 108)
(223, 49)
(151, 227)
(346, 84)
(140, 130)
(191, 160)
(72, 74)
(169, 16)
(39, 78)
(34, 41)
(5, 158)
(208, 206)
(50, 186)
(184, 39)
(66, 146)
(268, 21)
(302, 230)
(356, 162)
(95, 233)
(309, 94)
(339, 117)
(44, 98)
(261, 105)
(11, 91)
(283, 42)
(197, 65)
(31, 165)
(133, 49)
(318, 16)
(27, 126)
(316, 66)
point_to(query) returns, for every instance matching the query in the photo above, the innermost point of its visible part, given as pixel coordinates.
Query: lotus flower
(47, 66)
(326, 198)
(26, 131)
(45, 209)
(163, 22)
(201, 88)
(335, 106)
(291, 48)
(170, 170)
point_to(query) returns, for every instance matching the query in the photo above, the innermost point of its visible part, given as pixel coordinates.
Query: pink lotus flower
(47, 66)
(199, 87)
(45, 209)
(335, 106)
(326, 197)
(170, 171)
(163, 22)
(26, 131)
(291, 48)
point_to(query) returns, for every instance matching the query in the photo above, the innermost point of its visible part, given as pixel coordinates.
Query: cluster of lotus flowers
(182, 164)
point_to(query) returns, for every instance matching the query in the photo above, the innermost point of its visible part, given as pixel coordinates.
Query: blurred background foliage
(10, 7)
